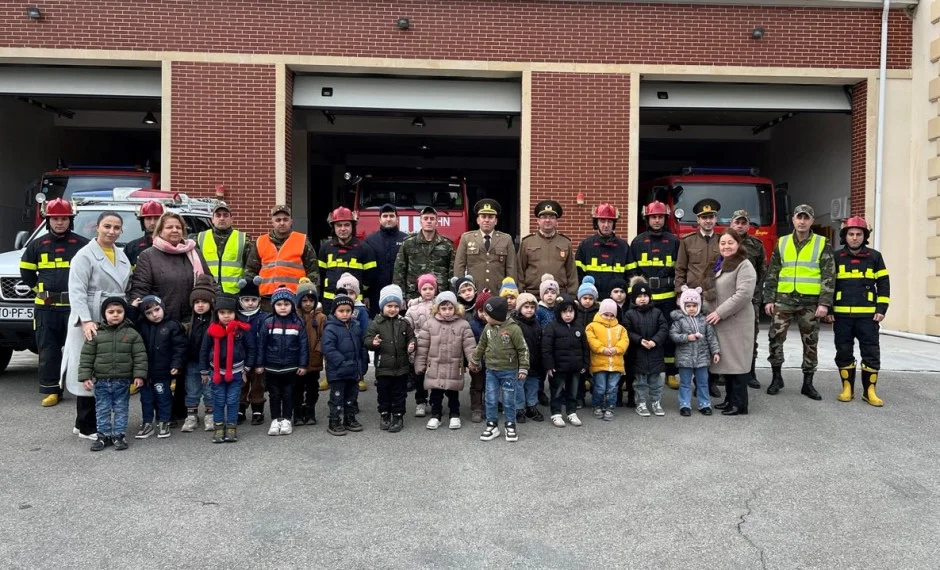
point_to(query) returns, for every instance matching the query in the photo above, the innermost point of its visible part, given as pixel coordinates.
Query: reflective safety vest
(227, 269)
(281, 266)
(800, 271)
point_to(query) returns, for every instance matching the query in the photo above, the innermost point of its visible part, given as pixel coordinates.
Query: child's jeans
(604, 389)
(564, 386)
(225, 396)
(648, 387)
(437, 403)
(344, 398)
(529, 395)
(156, 393)
(701, 387)
(505, 383)
(196, 391)
(112, 396)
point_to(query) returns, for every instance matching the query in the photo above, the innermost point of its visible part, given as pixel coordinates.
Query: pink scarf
(186, 246)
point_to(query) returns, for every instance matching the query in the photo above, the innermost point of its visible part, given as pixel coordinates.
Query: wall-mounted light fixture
(579, 198)
(149, 119)
(34, 13)
(757, 33)
(403, 23)
(418, 122)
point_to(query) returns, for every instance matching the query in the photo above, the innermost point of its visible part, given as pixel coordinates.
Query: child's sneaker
(558, 420)
(286, 427)
(275, 428)
(421, 410)
(120, 442)
(102, 442)
(608, 415)
(520, 415)
(511, 434)
(534, 414)
(385, 421)
(574, 420)
(658, 409)
(336, 427)
(434, 423)
(208, 421)
(163, 430)
(351, 423)
(598, 413)
(257, 418)
(145, 431)
(685, 412)
(190, 423)
(491, 432)
(398, 422)
(642, 410)
(454, 423)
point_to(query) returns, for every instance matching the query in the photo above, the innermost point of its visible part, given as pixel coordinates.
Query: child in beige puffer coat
(443, 342)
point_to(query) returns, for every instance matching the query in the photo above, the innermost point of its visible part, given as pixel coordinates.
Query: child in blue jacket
(346, 363)
(249, 311)
(282, 357)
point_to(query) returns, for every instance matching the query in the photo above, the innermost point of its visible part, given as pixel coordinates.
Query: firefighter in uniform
(149, 214)
(226, 250)
(695, 264)
(741, 223)
(799, 286)
(603, 256)
(546, 251)
(344, 253)
(485, 254)
(425, 251)
(281, 256)
(653, 255)
(862, 295)
(45, 268)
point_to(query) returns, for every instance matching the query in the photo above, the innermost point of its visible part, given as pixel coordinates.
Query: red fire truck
(65, 179)
(447, 195)
(733, 188)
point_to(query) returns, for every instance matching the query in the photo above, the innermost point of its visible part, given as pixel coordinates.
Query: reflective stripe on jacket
(227, 269)
(800, 269)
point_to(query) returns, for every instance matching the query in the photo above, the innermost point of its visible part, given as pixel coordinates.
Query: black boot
(713, 390)
(257, 414)
(351, 423)
(386, 421)
(808, 389)
(336, 427)
(521, 415)
(533, 413)
(752, 379)
(776, 381)
(242, 416)
(398, 422)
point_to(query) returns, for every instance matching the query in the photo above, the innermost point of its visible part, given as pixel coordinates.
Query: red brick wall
(222, 132)
(859, 143)
(580, 141)
(536, 30)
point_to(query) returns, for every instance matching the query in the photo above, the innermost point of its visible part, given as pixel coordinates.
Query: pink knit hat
(427, 278)
(548, 282)
(349, 282)
(690, 296)
(608, 306)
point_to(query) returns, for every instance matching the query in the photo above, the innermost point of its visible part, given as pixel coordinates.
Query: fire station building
(835, 101)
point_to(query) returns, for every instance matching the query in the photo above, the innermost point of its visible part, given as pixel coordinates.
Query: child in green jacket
(109, 362)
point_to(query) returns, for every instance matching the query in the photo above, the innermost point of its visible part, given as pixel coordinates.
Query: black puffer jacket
(533, 339)
(646, 322)
(197, 334)
(391, 357)
(564, 346)
(166, 344)
(583, 317)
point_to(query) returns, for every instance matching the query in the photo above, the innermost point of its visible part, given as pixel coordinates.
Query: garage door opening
(763, 148)
(64, 129)
(443, 151)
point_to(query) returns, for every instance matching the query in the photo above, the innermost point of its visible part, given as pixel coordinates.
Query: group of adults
(72, 275)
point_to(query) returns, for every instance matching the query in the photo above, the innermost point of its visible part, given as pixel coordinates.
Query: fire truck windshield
(64, 186)
(410, 194)
(757, 199)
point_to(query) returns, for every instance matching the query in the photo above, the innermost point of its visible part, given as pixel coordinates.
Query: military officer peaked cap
(487, 206)
(548, 207)
(706, 207)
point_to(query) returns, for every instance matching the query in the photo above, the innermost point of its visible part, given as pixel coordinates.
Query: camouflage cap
(280, 209)
(738, 214)
(804, 209)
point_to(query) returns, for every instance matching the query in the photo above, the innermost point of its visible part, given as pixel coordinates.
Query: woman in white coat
(733, 319)
(98, 271)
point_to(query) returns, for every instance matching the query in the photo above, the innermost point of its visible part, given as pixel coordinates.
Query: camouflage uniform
(797, 307)
(418, 256)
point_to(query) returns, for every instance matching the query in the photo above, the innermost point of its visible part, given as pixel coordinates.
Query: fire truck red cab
(733, 188)
(410, 195)
(65, 180)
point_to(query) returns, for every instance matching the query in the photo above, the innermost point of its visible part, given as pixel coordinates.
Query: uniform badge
(502, 258)
(562, 253)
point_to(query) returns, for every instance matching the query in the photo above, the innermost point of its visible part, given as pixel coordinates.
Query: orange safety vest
(281, 266)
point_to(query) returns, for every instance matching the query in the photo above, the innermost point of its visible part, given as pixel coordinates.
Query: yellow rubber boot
(363, 386)
(847, 373)
(324, 385)
(869, 379)
(672, 382)
(134, 389)
(50, 400)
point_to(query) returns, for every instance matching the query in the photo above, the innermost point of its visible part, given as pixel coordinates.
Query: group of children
(231, 352)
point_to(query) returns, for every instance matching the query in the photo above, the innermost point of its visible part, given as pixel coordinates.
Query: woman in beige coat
(733, 319)
(443, 342)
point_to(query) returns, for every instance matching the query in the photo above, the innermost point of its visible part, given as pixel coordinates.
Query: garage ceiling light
(34, 13)
(418, 122)
(149, 119)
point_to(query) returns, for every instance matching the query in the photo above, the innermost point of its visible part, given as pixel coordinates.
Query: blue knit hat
(391, 294)
(150, 299)
(509, 288)
(282, 293)
(587, 287)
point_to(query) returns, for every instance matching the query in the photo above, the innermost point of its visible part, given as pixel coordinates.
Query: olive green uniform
(539, 255)
(488, 267)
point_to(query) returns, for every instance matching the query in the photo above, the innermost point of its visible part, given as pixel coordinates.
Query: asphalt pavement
(796, 483)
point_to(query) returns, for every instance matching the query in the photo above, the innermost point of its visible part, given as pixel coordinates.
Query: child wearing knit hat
(252, 391)
(166, 344)
(608, 342)
(307, 387)
(586, 308)
(527, 399)
(696, 348)
(466, 291)
(477, 319)
(509, 291)
(548, 293)
(348, 284)
(648, 331)
(392, 339)
(346, 362)
(419, 311)
(282, 356)
(202, 300)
